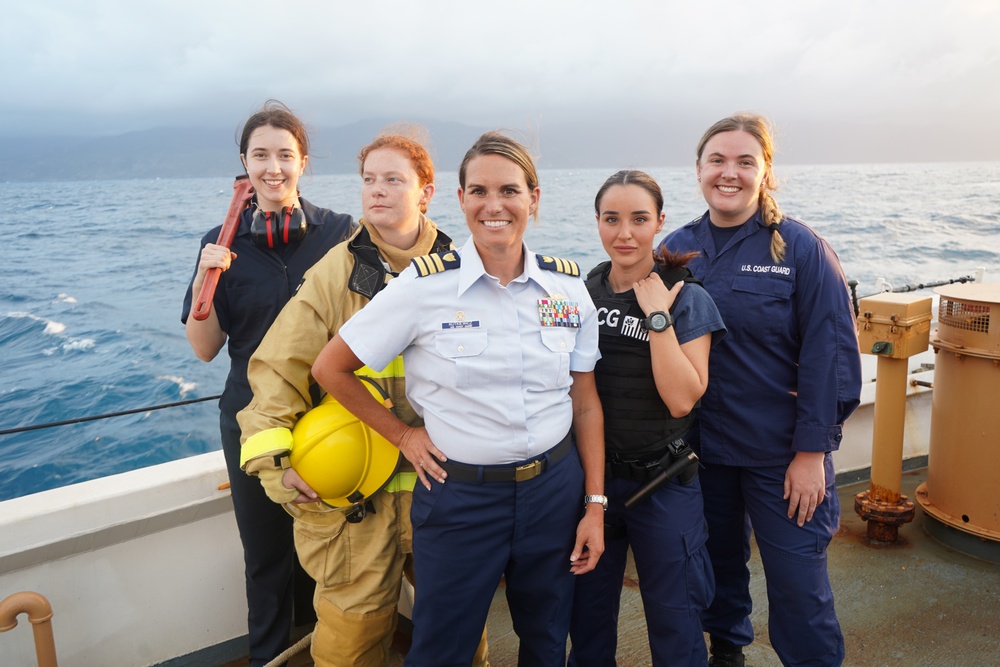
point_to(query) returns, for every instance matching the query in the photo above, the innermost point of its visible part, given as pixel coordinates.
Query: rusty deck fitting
(884, 518)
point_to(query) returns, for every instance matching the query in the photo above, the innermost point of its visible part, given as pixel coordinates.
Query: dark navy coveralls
(783, 380)
(248, 298)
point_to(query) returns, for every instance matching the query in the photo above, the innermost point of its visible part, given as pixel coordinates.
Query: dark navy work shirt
(788, 372)
(258, 284)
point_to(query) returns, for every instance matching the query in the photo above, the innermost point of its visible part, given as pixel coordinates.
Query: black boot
(724, 654)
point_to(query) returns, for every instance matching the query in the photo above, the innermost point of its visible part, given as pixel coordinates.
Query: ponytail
(670, 259)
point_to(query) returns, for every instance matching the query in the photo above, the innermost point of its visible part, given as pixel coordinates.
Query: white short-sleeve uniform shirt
(487, 366)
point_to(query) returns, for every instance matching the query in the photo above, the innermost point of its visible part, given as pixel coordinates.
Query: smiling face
(627, 221)
(274, 162)
(391, 191)
(497, 203)
(731, 169)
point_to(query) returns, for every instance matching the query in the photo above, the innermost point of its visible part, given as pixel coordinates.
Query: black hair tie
(773, 227)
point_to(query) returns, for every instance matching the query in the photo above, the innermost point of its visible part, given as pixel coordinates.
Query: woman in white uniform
(499, 346)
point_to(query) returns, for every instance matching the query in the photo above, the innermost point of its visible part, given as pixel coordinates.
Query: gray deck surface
(917, 603)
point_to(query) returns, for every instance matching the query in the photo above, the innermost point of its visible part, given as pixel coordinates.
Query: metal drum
(962, 493)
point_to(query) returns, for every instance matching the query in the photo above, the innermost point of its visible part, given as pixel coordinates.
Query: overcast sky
(920, 75)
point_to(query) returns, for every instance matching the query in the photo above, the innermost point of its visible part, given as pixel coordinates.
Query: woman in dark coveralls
(781, 384)
(260, 274)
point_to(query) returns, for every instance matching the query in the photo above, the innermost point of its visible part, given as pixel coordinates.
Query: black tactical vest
(636, 421)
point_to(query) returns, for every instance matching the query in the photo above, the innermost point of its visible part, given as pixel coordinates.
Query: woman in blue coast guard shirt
(499, 346)
(781, 384)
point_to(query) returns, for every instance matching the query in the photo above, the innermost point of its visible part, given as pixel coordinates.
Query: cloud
(111, 66)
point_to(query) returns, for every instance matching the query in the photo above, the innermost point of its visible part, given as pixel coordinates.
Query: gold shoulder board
(559, 265)
(436, 263)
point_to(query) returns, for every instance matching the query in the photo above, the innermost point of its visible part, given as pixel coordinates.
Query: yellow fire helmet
(341, 457)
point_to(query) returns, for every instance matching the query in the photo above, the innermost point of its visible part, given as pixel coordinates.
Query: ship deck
(915, 602)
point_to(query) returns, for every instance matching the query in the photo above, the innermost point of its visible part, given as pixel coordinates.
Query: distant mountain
(335, 150)
(202, 152)
(199, 152)
(609, 143)
(158, 153)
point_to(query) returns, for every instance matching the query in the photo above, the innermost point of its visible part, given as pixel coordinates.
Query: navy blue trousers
(268, 553)
(667, 533)
(802, 623)
(466, 535)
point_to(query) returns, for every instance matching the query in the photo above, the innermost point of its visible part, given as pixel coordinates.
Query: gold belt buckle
(528, 470)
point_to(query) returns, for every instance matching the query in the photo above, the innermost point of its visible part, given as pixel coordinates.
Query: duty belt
(511, 472)
(637, 470)
(644, 469)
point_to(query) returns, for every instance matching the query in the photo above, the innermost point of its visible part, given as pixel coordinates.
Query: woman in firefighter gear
(656, 330)
(358, 552)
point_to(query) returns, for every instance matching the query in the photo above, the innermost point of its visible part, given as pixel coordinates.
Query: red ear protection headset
(273, 230)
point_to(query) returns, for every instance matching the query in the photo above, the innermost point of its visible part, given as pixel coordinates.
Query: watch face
(657, 322)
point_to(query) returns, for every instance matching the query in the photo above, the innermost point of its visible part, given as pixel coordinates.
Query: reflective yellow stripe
(404, 481)
(270, 441)
(393, 370)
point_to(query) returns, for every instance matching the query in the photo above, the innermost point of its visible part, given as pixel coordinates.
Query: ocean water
(93, 274)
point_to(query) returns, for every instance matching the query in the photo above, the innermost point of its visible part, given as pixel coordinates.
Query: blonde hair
(759, 128)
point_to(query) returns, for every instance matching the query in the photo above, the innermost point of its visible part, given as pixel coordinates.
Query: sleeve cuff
(266, 445)
(275, 490)
(816, 438)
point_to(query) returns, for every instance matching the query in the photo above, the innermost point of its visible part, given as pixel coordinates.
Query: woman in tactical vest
(656, 328)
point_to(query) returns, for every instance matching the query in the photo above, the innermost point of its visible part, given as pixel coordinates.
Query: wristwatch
(603, 500)
(658, 321)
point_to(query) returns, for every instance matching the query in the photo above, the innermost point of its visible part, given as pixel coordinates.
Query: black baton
(661, 478)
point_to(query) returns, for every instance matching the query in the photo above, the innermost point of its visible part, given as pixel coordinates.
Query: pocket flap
(559, 339)
(776, 286)
(466, 343)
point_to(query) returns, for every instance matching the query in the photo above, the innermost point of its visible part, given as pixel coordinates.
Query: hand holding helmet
(338, 455)
(273, 482)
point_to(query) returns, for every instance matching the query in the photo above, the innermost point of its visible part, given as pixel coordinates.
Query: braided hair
(759, 128)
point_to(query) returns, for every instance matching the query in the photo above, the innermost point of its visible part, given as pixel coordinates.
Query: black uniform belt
(510, 472)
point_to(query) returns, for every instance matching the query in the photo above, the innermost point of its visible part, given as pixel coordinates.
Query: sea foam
(185, 387)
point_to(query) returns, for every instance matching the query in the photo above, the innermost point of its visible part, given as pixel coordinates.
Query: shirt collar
(472, 268)
(703, 232)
